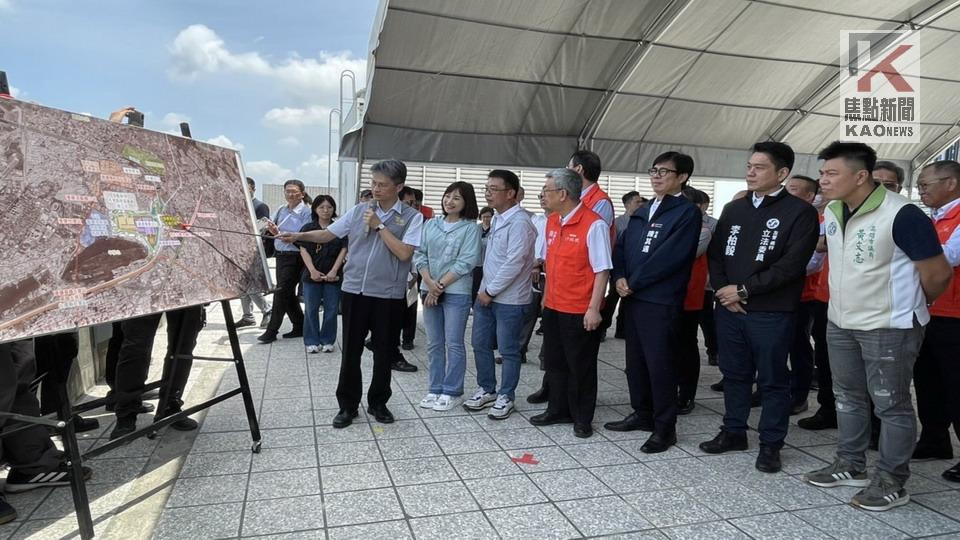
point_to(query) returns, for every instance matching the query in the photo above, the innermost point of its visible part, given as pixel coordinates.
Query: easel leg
(242, 377)
(81, 501)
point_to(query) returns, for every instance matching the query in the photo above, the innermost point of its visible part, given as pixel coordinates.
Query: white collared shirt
(654, 204)
(500, 219)
(757, 201)
(951, 249)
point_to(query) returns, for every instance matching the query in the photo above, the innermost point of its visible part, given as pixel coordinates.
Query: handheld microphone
(373, 206)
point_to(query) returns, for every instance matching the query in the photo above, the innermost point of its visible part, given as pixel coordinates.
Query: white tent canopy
(527, 82)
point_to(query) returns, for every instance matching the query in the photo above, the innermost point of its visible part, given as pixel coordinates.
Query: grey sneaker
(840, 473)
(501, 409)
(883, 493)
(480, 400)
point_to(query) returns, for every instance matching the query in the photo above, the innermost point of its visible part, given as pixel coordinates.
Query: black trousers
(652, 333)
(133, 363)
(410, 320)
(688, 365)
(55, 355)
(289, 270)
(113, 354)
(802, 354)
(821, 357)
(570, 353)
(530, 318)
(936, 376)
(707, 323)
(381, 317)
(29, 451)
(609, 308)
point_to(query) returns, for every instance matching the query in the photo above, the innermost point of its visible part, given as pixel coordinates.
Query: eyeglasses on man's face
(925, 186)
(660, 172)
(494, 189)
(544, 191)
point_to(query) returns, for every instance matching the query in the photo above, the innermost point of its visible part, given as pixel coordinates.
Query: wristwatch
(742, 292)
(380, 227)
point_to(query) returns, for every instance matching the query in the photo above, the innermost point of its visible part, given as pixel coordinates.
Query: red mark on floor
(527, 459)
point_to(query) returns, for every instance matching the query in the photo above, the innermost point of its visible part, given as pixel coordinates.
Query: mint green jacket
(456, 250)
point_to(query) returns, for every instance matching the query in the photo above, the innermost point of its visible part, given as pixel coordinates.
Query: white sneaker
(428, 401)
(502, 408)
(445, 402)
(327, 348)
(313, 349)
(480, 400)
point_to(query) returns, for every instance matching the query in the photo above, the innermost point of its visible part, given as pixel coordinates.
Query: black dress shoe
(582, 431)
(659, 443)
(930, 452)
(267, 337)
(81, 424)
(550, 418)
(725, 442)
(633, 422)
(403, 365)
(144, 408)
(717, 386)
(952, 474)
(293, 334)
(768, 460)
(344, 418)
(685, 406)
(407, 346)
(125, 426)
(381, 414)
(185, 424)
(540, 396)
(245, 321)
(822, 419)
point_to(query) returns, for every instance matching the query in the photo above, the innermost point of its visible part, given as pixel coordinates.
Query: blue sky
(258, 76)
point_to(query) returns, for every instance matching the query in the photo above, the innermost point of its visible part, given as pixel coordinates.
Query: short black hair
(406, 191)
(696, 196)
(779, 153)
(590, 162)
(682, 162)
(487, 210)
(629, 195)
(892, 167)
(418, 194)
(509, 178)
(320, 199)
(251, 182)
(946, 166)
(366, 193)
(469, 200)
(811, 182)
(863, 156)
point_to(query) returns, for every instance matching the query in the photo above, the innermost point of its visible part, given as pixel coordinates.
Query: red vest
(948, 305)
(812, 282)
(569, 274)
(591, 198)
(697, 285)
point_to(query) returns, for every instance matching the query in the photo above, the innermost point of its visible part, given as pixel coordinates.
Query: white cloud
(314, 170)
(289, 142)
(173, 119)
(198, 49)
(14, 91)
(267, 172)
(292, 117)
(224, 141)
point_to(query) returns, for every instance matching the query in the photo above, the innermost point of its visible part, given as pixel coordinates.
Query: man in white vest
(886, 266)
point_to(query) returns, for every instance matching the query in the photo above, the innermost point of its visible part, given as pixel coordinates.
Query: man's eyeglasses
(662, 171)
(543, 192)
(924, 186)
(491, 189)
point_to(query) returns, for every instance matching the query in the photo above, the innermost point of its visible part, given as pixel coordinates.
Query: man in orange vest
(577, 270)
(652, 263)
(936, 374)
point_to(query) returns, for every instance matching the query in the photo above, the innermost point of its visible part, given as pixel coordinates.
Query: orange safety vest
(569, 274)
(592, 197)
(948, 305)
(812, 282)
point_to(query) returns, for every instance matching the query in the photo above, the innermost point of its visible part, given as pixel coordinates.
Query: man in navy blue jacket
(651, 268)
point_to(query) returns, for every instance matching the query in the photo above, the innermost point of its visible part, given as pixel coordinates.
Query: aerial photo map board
(102, 221)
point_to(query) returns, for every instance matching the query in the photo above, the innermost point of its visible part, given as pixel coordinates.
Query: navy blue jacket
(655, 253)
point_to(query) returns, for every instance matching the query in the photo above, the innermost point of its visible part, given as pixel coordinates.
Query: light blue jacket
(456, 250)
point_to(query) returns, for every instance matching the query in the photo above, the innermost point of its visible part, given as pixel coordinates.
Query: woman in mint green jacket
(445, 260)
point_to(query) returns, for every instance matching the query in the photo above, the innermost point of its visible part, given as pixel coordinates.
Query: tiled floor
(453, 475)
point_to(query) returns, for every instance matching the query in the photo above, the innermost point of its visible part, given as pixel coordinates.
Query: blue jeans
(316, 295)
(446, 324)
(755, 343)
(498, 326)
